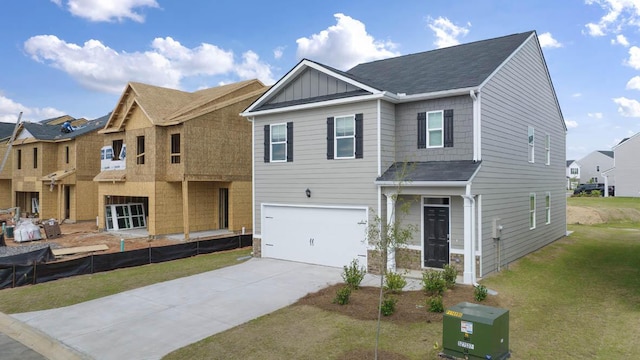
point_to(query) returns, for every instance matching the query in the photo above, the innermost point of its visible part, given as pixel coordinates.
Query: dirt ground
(592, 216)
(410, 308)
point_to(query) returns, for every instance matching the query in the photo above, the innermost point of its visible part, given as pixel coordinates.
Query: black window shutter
(329, 138)
(359, 131)
(290, 142)
(267, 140)
(422, 130)
(448, 128)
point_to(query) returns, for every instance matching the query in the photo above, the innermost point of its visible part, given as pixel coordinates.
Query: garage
(331, 236)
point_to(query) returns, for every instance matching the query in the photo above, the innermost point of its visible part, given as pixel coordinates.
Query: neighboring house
(6, 129)
(53, 172)
(478, 125)
(177, 162)
(592, 166)
(627, 167)
(573, 174)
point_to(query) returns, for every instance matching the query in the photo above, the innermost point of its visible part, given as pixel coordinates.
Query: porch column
(60, 204)
(391, 218)
(606, 186)
(185, 208)
(469, 256)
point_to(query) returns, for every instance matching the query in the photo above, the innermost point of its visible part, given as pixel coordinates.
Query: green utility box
(473, 331)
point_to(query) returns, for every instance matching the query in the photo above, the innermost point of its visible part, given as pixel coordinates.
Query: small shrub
(342, 295)
(433, 282)
(450, 275)
(480, 292)
(394, 282)
(435, 304)
(388, 305)
(353, 274)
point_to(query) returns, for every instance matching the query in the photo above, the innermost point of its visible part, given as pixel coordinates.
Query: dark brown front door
(436, 236)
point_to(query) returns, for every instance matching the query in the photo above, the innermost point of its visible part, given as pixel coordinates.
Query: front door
(436, 236)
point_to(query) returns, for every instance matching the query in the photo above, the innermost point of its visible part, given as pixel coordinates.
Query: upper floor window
(435, 129)
(175, 148)
(531, 144)
(19, 159)
(532, 211)
(278, 142)
(344, 137)
(140, 150)
(547, 148)
(35, 158)
(117, 148)
(574, 171)
(66, 154)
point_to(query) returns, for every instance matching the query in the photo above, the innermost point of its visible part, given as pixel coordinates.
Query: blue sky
(76, 56)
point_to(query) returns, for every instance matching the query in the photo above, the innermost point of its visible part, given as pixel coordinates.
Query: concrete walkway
(150, 322)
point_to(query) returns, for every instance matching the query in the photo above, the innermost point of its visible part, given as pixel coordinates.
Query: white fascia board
(626, 141)
(347, 100)
(423, 183)
(400, 98)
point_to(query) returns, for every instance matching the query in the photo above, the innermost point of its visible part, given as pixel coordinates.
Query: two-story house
(52, 172)
(594, 164)
(177, 162)
(627, 167)
(471, 137)
(573, 174)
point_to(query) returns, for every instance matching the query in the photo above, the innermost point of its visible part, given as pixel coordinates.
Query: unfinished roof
(431, 171)
(163, 106)
(44, 132)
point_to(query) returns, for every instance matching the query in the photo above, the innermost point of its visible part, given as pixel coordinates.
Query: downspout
(253, 177)
(476, 126)
(469, 274)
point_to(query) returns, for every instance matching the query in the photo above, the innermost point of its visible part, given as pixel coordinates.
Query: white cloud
(278, 52)
(446, 32)
(10, 110)
(571, 124)
(620, 40)
(619, 13)
(597, 115)
(628, 107)
(547, 41)
(111, 10)
(98, 67)
(634, 83)
(634, 57)
(576, 95)
(344, 45)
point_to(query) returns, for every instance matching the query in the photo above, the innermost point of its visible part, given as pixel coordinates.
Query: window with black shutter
(345, 137)
(435, 129)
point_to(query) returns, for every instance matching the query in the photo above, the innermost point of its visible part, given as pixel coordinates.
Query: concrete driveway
(150, 322)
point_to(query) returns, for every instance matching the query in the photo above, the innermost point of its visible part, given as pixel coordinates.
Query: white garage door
(331, 236)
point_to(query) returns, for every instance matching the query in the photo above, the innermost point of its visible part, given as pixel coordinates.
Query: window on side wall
(19, 159)
(140, 150)
(532, 211)
(35, 158)
(66, 154)
(547, 208)
(531, 144)
(547, 148)
(175, 148)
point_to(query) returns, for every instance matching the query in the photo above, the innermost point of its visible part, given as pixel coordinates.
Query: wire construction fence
(34, 267)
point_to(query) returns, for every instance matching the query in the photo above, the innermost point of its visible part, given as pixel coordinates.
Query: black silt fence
(13, 273)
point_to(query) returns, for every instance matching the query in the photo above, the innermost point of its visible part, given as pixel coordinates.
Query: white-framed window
(435, 129)
(547, 149)
(345, 135)
(531, 139)
(574, 171)
(532, 211)
(547, 208)
(278, 142)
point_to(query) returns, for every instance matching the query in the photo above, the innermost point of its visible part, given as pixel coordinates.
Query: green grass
(73, 290)
(578, 298)
(605, 202)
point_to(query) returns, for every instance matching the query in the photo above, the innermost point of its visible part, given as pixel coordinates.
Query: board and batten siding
(309, 84)
(627, 170)
(407, 130)
(517, 96)
(337, 182)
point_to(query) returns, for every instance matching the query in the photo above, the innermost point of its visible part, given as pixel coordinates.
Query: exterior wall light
(308, 192)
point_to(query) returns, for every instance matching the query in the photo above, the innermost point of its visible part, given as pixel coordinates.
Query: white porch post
(391, 215)
(606, 185)
(469, 256)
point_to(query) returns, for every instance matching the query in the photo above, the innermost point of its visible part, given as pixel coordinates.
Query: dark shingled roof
(607, 153)
(6, 129)
(569, 162)
(42, 131)
(460, 170)
(455, 67)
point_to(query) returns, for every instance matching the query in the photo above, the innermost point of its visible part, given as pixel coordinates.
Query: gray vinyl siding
(311, 83)
(387, 135)
(518, 96)
(407, 129)
(592, 166)
(338, 182)
(627, 170)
